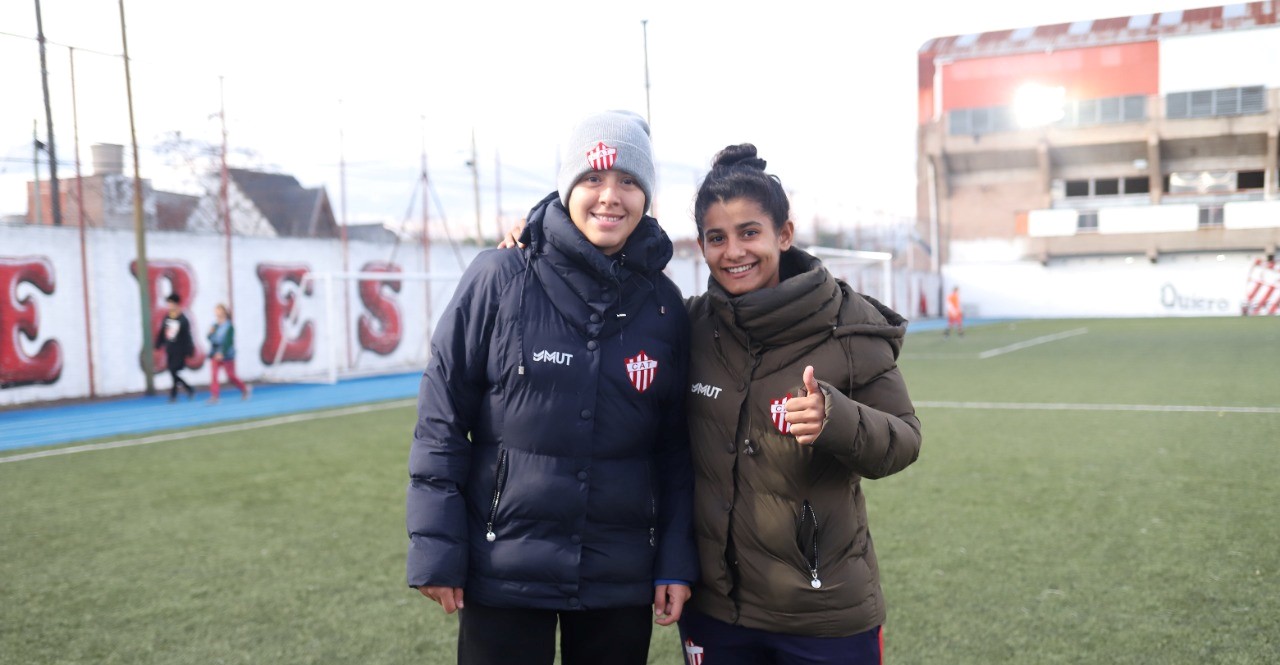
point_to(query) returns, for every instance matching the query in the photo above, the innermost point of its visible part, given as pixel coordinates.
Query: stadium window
(1250, 180)
(981, 121)
(1087, 221)
(1087, 112)
(1106, 186)
(1202, 103)
(1253, 99)
(1210, 217)
(1077, 188)
(1220, 102)
(1164, 187)
(1226, 101)
(1109, 110)
(1135, 108)
(1137, 185)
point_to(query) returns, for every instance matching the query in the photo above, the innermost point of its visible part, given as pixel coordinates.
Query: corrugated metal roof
(1102, 32)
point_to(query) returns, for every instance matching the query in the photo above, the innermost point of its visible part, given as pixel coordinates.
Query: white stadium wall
(290, 327)
(1226, 59)
(283, 330)
(1176, 285)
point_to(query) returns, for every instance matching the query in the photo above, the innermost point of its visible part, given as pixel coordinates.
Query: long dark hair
(738, 172)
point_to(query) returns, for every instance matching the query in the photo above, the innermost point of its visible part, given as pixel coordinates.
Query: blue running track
(27, 427)
(44, 426)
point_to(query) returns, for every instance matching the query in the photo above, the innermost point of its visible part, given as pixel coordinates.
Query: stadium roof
(1103, 32)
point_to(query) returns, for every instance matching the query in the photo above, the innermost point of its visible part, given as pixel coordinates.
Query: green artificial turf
(1066, 535)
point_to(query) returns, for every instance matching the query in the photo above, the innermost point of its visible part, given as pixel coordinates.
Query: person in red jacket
(222, 354)
(955, 315)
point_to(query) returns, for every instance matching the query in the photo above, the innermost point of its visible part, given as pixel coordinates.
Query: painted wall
(1177, 285)
(1084, 73)
(290, 324)
(1220, 60)
(284, 327)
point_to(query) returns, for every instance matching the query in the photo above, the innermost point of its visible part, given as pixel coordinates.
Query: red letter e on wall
(281, 288)
(18, 319)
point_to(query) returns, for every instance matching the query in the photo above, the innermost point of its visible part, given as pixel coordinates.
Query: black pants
(501, 636)
(177, 381)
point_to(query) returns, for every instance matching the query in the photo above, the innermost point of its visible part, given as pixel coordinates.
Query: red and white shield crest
(602, 157)
(641, 370)
(693, 653)
(778, 411)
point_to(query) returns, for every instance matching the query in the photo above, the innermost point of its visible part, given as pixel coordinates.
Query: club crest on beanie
(610, 140)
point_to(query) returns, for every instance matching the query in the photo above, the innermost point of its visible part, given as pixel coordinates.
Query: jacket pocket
(499, 481)
(808, 533)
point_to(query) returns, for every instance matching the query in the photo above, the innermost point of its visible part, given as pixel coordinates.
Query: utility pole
(35, 166)
(84, 241)
(139, 228)
(426, 238)
(497, 192)
(224, 197)
(55, 204)
(648, 115)
(346, 262)
(475, 185)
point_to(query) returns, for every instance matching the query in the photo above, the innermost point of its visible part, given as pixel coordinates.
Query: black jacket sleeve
(449, 399)
(677, 555)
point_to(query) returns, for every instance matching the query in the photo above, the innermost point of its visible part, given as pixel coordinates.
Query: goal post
(867, 272)
(340, 325)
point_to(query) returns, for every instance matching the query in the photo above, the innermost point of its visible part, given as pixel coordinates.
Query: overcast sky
(826, 90)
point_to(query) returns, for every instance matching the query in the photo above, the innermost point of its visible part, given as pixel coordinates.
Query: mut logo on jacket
(705, 390)
(557, 357)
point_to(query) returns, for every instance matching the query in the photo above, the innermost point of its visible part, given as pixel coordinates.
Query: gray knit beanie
(607, 140)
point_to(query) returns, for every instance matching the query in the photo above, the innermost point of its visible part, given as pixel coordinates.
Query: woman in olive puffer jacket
(795, 397)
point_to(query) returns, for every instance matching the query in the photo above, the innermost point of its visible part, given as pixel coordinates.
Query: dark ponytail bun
(738, 172)
(743, 153)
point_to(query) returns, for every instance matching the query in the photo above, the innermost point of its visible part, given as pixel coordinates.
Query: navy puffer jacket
(550, 466)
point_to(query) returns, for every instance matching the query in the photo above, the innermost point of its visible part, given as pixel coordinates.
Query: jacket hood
(584, 283)
(647, 250)
(808, 301)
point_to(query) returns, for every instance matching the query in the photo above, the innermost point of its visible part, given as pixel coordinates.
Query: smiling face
(606, 206)
(741, 247)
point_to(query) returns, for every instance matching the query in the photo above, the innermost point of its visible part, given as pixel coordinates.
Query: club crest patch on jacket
(778, 411)
(642, 370)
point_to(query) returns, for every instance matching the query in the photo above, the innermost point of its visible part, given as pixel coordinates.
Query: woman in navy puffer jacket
(550, 468)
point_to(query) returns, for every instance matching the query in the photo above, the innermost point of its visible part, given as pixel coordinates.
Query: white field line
(1160, 408)
(1031, 342)
(225, 429)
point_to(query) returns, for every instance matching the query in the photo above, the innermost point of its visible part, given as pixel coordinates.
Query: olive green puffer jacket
(782, 527)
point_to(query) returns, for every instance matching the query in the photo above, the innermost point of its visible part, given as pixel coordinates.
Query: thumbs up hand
(808, 413)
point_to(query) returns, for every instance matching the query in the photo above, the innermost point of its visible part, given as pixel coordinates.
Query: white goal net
(867, 272)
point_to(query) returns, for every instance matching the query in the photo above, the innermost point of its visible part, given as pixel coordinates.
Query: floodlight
(1037, 105)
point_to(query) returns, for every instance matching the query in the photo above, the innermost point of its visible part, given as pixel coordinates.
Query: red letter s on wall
(379, 333)
(18, 318)
(281, 285)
